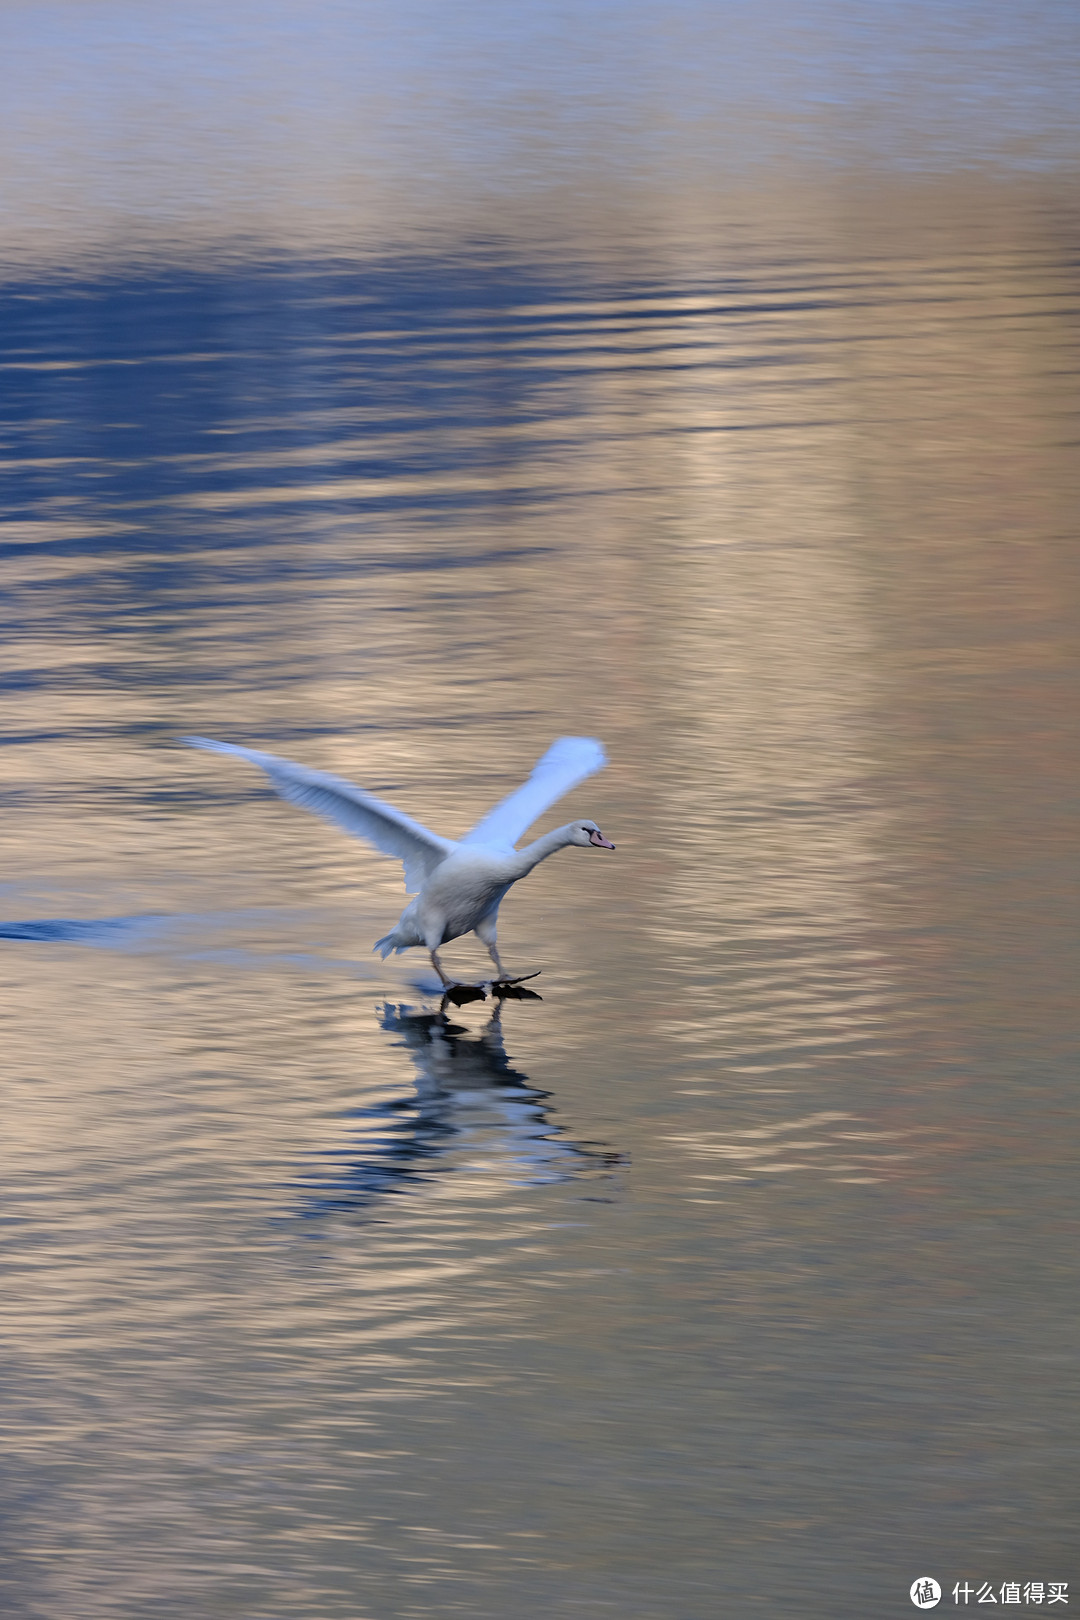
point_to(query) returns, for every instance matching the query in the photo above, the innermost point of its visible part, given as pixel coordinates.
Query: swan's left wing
(567, 762)
(349, 807)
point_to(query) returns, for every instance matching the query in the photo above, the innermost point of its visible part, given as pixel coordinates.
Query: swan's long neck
(525, 859)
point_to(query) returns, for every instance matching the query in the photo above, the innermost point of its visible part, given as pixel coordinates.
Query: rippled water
(737, 1273)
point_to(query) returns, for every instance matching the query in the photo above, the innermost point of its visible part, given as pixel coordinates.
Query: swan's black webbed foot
(510, 989)
(458, 994)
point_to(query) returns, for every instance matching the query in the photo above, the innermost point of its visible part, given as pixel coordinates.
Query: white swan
(458, 885)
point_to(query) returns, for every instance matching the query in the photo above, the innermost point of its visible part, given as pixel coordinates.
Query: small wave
(106, 931)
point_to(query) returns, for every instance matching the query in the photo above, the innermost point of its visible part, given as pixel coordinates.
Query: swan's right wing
(349, 807)
(567, 762)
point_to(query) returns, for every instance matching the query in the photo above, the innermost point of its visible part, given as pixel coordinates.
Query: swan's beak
(600, 841)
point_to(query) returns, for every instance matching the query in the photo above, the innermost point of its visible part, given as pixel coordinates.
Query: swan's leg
(437, 965)
(485, 931)
(432, 931)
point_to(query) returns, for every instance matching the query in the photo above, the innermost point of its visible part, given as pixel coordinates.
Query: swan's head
(587, 832)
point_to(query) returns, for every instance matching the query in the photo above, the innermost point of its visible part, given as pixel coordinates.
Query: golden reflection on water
(722, 1262)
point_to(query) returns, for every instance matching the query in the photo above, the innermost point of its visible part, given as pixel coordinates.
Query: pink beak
(600, 841)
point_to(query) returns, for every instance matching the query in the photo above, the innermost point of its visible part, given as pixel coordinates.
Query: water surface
(737, 1273)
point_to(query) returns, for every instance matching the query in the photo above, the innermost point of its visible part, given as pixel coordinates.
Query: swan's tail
(403, 936)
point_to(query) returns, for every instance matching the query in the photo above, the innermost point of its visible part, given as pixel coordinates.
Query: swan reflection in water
(474, 1128)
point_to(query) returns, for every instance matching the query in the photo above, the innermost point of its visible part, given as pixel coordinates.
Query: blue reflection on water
(113, 932)
(472, 1113)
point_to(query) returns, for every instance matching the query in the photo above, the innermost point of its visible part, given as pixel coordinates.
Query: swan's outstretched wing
(351, 808)
(566, 762)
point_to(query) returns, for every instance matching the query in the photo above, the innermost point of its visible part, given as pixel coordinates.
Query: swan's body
(459, 885)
